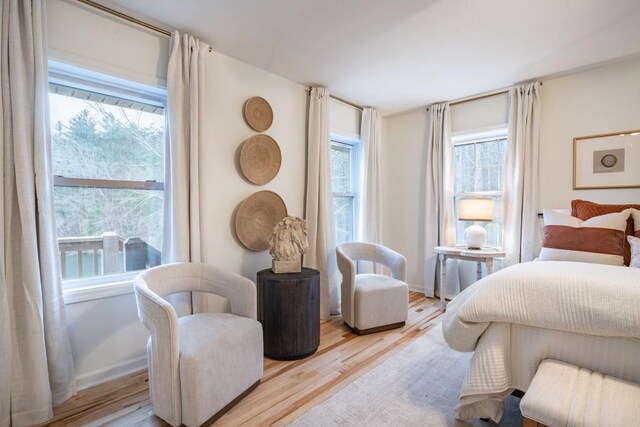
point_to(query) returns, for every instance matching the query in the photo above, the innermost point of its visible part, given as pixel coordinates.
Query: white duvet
(587, 299)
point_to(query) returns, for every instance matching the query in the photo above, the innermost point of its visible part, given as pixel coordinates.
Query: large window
(479, 173)
(108, 166)
(344, 180)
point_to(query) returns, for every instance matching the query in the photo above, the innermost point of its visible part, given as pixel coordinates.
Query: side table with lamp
(475, 237)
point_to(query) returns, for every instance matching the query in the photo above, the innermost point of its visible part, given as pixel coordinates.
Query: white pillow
(635, 213)
(635, 250)
(598, 240)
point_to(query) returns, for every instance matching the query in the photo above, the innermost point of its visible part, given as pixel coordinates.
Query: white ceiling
(402, 54)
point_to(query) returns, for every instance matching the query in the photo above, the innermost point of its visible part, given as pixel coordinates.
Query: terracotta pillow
(584, 210)
(599, 240)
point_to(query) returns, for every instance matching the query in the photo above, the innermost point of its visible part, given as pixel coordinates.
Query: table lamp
(477, 210)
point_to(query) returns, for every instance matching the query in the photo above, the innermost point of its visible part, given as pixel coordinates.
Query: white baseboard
(112, 372)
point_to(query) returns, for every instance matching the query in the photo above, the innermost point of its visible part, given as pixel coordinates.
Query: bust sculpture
(287, 244)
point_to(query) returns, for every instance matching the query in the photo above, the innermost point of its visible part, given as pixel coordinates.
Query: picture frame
(606, 161)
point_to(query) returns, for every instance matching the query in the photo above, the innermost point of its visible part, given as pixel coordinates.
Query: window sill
(97, 292)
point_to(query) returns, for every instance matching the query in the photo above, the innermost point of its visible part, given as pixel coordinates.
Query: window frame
(62, 74)
(353, 146)
(475, 137)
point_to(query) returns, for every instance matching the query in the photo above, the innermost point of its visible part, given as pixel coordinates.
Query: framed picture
(611, 160)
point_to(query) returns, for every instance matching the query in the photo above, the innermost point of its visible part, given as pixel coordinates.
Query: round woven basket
(258, 113)
(256, 217)
(260, 159)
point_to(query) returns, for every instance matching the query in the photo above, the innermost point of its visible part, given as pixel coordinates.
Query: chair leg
(231, 404)
(378, 328)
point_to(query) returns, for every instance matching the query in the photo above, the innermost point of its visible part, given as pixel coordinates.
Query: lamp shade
(475, 210)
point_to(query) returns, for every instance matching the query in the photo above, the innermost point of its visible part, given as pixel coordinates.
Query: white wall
(600, 100)
(404, 177)
(222, 185)
(106, 336)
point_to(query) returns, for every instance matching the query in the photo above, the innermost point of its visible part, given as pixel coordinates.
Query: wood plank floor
(288, 388)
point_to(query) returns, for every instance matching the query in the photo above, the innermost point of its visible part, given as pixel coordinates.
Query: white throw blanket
(581, 298)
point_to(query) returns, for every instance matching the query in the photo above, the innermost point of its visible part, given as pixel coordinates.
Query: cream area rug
(419, 386)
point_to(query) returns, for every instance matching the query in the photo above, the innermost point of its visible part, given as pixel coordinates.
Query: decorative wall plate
(258, 113)
(260, 159)
(256, 218)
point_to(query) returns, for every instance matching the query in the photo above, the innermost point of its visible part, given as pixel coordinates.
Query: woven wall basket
(258, 113)
(260, 159)
(256, 217)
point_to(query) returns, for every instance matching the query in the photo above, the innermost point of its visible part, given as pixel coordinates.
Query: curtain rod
(479, 97)
(129, 18)
(126, 17)
(344, 101)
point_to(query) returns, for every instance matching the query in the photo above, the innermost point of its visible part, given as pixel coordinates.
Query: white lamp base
(475, 236)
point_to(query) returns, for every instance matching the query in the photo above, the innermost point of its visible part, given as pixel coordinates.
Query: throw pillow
(635, 251)
(585, 210)
(635, 214)
(597, 240)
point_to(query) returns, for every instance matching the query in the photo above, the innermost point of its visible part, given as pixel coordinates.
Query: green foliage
(341, 178)
(101, 142)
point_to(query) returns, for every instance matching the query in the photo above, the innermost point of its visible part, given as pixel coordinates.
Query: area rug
(419, 386)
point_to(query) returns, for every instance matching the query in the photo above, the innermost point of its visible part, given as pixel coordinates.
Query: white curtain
(521, 174)
(36, 366)
(186, 86)
(370, 226)
(319, 204)
(439, 209)
(370, 221)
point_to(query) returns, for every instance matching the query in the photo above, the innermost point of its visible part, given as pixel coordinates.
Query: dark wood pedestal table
(289, 310)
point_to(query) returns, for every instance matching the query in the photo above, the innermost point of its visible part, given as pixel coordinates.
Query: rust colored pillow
(584, 210)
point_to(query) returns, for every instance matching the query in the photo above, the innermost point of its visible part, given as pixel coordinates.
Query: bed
(584, 314)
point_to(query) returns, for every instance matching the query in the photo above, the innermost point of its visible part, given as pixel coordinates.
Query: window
(108, 166)
(344, 182)
(479, 172)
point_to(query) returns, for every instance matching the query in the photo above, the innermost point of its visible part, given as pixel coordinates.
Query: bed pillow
(635, 251)
(635, 214)
(585, 210)
(598, 240)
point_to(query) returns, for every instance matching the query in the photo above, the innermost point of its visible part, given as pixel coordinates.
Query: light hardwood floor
(288, 389)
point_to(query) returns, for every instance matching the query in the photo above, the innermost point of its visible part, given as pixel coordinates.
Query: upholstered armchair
(201, 363)
(372, 302)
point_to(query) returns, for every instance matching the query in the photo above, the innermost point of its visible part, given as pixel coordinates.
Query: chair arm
(240, 291)
(395, 261)
(348, 270)
(160, 318)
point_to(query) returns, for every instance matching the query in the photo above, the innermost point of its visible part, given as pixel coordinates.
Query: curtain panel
(439, 209)
(370, 218)
(36, 366)
(186, 119)
(319, 209)
(521, 196)
(370, 224)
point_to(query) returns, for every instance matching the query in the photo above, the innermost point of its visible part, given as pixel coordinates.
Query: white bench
(563, 395)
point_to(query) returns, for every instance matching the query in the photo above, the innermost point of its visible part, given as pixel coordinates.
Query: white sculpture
(287, 244)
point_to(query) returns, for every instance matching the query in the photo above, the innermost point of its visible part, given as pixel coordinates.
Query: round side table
(289, 310)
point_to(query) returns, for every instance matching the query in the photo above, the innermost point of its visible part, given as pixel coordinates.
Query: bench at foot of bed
(562, 394)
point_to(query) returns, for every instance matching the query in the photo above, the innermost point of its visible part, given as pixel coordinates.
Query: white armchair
(373, 302)
(199, 364)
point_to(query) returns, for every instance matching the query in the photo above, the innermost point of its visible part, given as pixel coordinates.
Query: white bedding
(585, 314)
